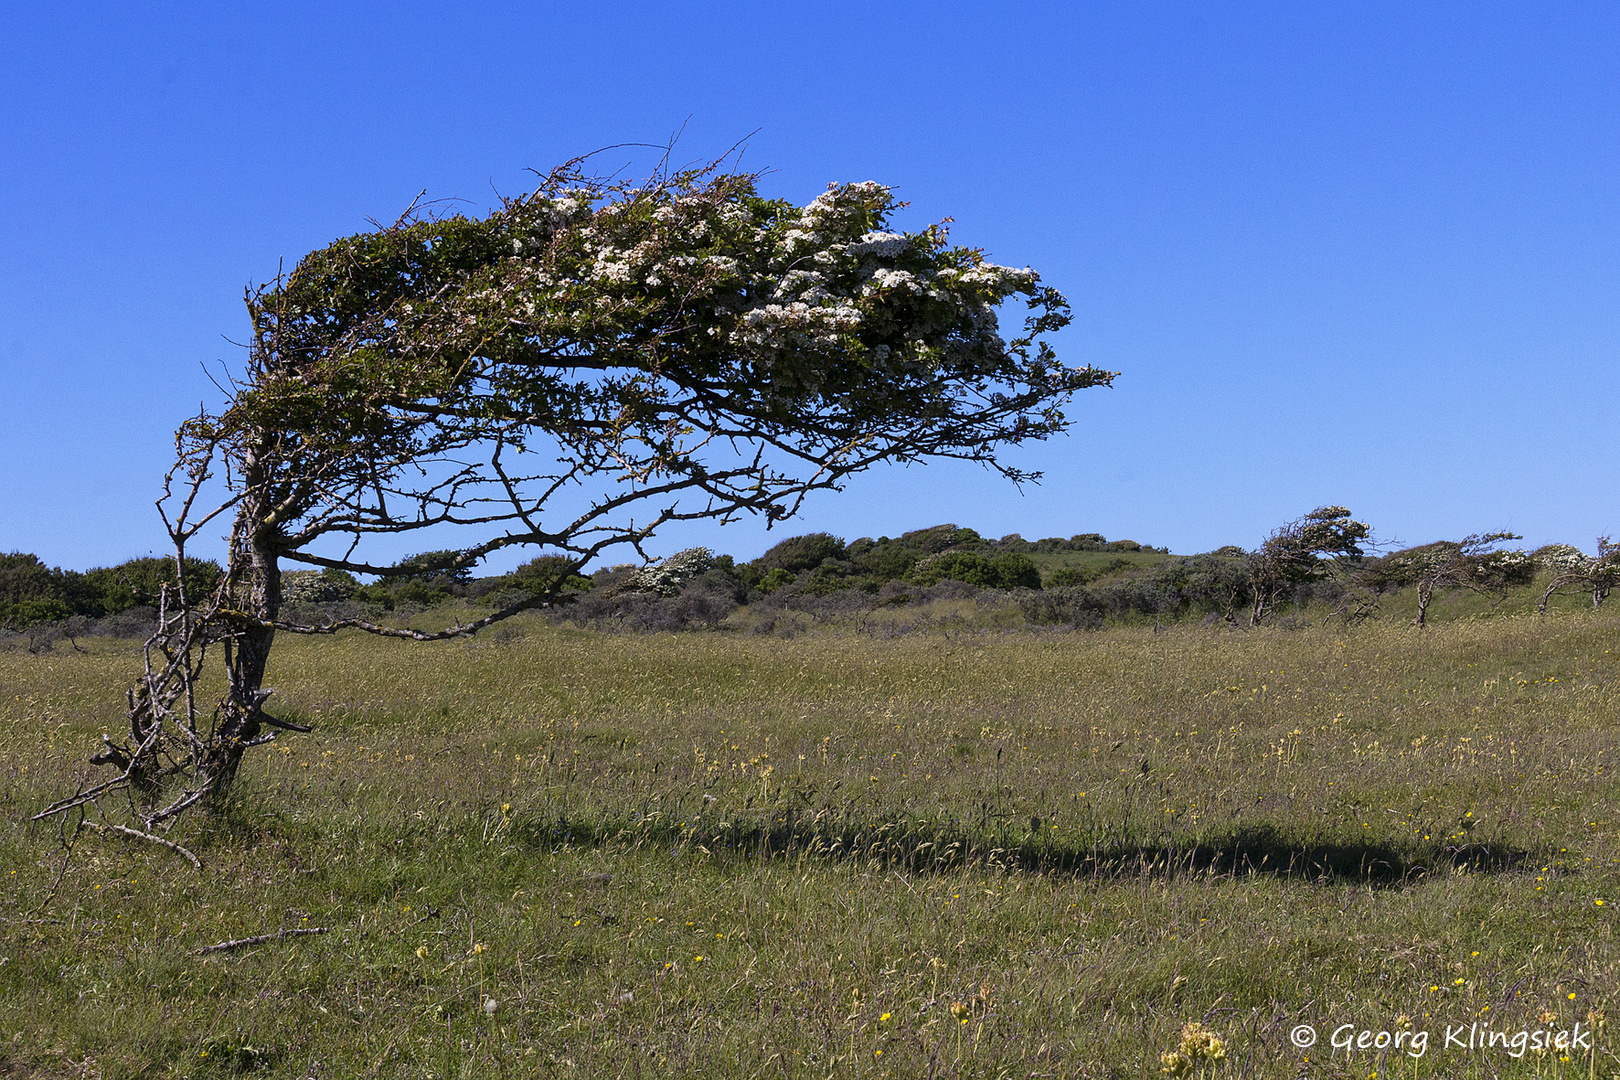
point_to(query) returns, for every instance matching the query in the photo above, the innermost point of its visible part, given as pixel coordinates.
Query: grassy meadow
(966, 852)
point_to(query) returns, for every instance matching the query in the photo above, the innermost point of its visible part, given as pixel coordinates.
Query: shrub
(549, 572)
(1176, 586)
(325, 586)
(938, 538)
(26, 613)
(1063, 606)
(885, 560)
(775, 580)
(138, 582)
(23, 577)
(831, 576)
(702, 604)
(669, 577)
(135, 622)
(428, 566)
(1066, 577)
(614, 579)
(1015, 571)
(1560, 558)
(797, 554)
(1009, 571)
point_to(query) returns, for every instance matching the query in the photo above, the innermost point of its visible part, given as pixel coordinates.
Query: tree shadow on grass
(926, 847)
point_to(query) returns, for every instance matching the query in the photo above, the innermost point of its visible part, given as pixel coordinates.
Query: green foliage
(884, 559)
(1065, 577)
(429, 566)
(23, 613)
(1199, 584)
(550, 574)
(24, 577)
(1015, 571)
(797, 554)
(1008, 571)
(1080, 542)
(822, 563)
(938, 538)
(32, 593)
(774, 580)
(1063, 605)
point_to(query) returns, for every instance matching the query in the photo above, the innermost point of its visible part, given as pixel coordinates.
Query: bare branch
(124, 830)
(260, 939)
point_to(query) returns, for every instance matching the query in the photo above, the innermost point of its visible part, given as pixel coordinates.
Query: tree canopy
(681, 348)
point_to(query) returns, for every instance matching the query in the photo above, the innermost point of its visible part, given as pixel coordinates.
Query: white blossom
(884, 245)
(891, 279)
(671, 575)
(612, 271)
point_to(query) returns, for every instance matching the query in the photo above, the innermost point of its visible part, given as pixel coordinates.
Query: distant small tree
(1302, 551)
(1477, 562)
(1573, 567)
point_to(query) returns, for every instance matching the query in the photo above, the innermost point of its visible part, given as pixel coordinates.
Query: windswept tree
(1572, 567)
(571, 372)
(1477, 562)
(1298, 553)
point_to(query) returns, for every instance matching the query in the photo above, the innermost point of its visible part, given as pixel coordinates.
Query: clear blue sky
(1359, 254)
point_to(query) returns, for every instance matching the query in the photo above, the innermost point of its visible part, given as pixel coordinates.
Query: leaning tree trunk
(258, 574)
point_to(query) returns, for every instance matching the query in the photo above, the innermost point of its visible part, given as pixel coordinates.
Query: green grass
(976, 853)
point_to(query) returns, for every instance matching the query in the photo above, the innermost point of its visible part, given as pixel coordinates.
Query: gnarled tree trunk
(259, 584)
